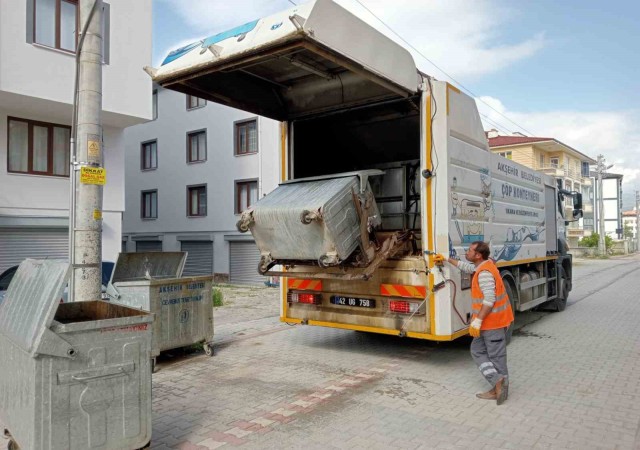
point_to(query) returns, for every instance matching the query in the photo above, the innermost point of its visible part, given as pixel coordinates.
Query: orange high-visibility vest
(501, 314)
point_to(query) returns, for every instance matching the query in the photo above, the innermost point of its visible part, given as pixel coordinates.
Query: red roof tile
(513, 140)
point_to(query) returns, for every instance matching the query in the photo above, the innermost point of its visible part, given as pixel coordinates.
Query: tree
(592, 241)
(628, 231)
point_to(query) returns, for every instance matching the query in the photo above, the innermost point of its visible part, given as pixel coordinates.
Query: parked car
(7, 276)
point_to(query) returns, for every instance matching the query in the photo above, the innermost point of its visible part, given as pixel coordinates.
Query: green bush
(592, 241)
(216, 294)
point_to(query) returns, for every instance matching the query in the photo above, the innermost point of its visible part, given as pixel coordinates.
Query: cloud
(206, 17)
(462, 38)
(614, 134)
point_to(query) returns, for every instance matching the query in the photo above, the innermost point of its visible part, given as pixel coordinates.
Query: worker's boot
(501, 391)
(489, 395)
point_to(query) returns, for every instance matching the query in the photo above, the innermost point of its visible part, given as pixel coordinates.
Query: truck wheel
(560, 302)
(512, 300)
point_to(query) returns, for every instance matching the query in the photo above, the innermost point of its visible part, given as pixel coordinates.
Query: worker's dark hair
(482, 248)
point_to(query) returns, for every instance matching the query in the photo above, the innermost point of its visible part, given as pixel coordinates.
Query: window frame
(30, 124)
(236, 137)
(506, 154)
(154, 104)
(106, 35)
(236, 193)
(57, 19)
(198, 105)
(142, 155)
(189, 189)
(189, 135)
(143, 204)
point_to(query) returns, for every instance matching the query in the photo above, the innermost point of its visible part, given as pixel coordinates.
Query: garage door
(199, 258)
(16, 244)
(148, 246)
(244, 258)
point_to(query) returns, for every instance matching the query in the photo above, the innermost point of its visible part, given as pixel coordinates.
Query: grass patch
(217, 297)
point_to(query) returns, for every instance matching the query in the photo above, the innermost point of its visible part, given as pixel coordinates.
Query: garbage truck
(382, 166)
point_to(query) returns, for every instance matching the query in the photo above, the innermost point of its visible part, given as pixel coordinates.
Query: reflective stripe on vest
(501, 314)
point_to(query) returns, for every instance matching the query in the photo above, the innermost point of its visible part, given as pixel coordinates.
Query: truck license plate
(353, 301)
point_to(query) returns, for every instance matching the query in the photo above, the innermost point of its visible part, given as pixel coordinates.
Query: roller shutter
(243, 264)
(199, 258)
(148, 246)
(16, 244)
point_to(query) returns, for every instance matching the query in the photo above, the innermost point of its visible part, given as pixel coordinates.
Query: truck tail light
(309, 299)
(402, 306)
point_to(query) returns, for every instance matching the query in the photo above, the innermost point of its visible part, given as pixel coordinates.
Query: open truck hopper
(325, 221)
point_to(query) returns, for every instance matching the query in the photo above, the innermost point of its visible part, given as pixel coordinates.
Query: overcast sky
(565, 69)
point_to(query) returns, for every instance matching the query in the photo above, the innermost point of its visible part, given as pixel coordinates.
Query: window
(149, 205)
(56, 24)
(154, 104)
(38, 148)
(505, 154)
(197, 201)
(246, 194)
(246, 137)
(195, 102)
(149, 155)
(585, 169)
(554, 162)
(541, 159)
(197, 146)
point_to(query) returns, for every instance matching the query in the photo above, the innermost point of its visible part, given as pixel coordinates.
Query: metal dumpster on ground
(72, 375)
(183, 307)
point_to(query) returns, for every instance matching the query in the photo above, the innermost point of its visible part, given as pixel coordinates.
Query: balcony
(553, 170)
(575, 232)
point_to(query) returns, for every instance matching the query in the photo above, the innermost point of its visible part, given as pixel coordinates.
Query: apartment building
(38, 40)
(552, 157)
(611, 202)
(190, 173)
(629, 220)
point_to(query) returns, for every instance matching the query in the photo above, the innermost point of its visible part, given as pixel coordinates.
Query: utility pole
(87, 174)
(601, 168)
(637, 222)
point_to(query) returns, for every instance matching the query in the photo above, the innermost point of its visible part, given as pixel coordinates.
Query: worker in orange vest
(491, 317)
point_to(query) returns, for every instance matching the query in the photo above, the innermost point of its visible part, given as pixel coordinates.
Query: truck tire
(560, 302)
(512, 300)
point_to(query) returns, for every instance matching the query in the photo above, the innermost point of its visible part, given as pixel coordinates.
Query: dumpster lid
(313, 58)
(148, 266)
(32, 300)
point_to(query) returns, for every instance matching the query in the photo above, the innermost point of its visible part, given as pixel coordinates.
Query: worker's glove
(474, 328)
(438, 259)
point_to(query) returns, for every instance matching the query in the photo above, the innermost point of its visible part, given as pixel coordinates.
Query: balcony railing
(559, 170)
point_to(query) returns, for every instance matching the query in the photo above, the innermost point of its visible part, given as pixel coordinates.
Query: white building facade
(189, 174)
(37, 68)
(612, 204)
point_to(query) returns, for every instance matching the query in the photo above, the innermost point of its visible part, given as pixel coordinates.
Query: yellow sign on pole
(97, 214)
(93, 175)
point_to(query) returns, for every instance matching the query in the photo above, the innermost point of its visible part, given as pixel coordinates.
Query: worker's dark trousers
(489, 351)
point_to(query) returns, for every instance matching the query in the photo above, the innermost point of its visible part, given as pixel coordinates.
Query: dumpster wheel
(12, 444)
(208, 349)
